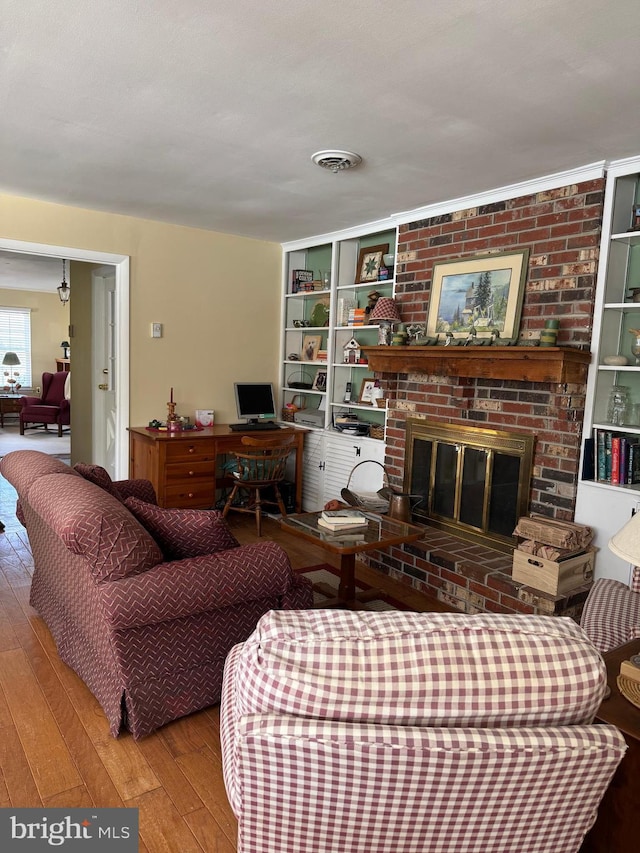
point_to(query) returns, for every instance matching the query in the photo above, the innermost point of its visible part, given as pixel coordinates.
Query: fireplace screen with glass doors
(471, 481)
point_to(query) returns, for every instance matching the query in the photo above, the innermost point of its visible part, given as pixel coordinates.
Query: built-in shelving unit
(319, 335)
(605, 501)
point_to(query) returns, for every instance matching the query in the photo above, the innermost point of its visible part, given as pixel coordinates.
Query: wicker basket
(289, 410)
(376, 431)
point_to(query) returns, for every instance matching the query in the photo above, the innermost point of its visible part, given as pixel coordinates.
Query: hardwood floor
(55, 747)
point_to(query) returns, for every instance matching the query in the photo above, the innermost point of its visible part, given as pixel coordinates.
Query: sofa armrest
(198, 584)
(140, 488)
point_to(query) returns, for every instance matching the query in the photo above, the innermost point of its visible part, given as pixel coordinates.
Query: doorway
(120, 336)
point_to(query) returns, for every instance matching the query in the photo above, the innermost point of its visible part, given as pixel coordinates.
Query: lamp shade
(626, 542)
(385, 309)
(11, 359)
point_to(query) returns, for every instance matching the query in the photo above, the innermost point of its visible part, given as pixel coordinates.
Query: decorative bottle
(618, 405)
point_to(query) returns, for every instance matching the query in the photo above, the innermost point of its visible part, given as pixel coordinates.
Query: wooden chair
(260, 467)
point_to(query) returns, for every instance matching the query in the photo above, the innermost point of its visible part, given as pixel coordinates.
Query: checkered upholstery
(403, 733)
(611, 614)
(149, 638)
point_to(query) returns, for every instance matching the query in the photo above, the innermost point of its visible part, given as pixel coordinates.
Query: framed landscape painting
(478, 295)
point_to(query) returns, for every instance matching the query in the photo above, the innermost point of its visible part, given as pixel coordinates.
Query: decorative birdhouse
(351, 352)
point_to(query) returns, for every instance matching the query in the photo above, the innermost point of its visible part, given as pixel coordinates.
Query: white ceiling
(31, 272)
(206, 112)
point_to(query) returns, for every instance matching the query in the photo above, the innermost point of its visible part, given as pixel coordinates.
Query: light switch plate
(156, 330)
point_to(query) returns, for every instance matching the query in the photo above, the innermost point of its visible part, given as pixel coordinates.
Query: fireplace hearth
(471, 482)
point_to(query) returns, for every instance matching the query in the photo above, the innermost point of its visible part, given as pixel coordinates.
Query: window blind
(15, 336)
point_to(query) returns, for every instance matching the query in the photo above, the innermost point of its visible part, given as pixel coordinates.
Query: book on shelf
(616, 458)
(348, 528)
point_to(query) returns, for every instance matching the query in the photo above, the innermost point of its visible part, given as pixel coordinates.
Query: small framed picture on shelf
(310, 346)
(320, 381)
(369, 261)
(366, 391)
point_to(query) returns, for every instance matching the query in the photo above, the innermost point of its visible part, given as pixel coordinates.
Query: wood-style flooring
(55, 747)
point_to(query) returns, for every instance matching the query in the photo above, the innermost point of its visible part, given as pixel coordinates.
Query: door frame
(121, 265)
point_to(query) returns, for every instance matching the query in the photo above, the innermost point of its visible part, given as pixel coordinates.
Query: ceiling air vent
(336, 161)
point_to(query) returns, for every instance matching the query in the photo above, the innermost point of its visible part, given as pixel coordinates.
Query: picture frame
(478, 295)
(320, 381)
(366, 391)
(310, 346)
(369, 262)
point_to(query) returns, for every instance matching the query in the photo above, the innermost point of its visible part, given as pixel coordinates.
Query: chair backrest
(413, 732)
(53, 387)
(263, 460)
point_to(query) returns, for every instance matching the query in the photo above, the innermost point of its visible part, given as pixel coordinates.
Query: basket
(372, 501)
(291, 408)
(300, 379)
(376, 431)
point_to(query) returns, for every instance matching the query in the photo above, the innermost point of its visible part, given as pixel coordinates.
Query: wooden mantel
(528, 364)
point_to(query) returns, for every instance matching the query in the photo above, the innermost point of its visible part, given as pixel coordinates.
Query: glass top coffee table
(380, 532)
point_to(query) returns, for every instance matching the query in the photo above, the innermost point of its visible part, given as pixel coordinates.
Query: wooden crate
(554, 577)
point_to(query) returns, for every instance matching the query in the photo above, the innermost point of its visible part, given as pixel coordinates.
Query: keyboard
(251, 427)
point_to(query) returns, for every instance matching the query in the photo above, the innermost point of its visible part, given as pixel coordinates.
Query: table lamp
(626, 542)
(385, 312)
(11, 383)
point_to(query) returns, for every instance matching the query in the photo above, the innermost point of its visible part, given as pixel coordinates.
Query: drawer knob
(191, 473)
(190, 495)
(192, 450)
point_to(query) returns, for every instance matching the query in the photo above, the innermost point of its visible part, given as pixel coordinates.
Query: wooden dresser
(182, 465)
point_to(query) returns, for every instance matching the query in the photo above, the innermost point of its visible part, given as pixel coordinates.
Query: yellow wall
(49, 327)
(217, 296)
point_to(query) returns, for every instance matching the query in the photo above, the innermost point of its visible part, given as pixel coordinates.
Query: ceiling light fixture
(336, 161)
(64, 291)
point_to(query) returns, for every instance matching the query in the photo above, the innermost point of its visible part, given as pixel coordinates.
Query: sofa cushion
(95, 525)
(98, 475)
(436, 669)
(183, 533)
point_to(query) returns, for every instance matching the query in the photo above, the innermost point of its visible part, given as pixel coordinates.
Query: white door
(104, 372)
(312, 481)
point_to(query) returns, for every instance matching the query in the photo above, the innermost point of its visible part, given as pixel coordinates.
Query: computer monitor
(255, 401)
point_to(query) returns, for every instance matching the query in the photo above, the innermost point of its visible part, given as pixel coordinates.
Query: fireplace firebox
(470, 481)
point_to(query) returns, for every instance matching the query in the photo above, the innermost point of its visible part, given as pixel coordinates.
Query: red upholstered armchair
(51, 408)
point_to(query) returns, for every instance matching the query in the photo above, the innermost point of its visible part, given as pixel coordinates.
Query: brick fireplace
(561, 228)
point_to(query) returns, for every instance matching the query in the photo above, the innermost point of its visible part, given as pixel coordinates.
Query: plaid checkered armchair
(611, 614)
(394, 732)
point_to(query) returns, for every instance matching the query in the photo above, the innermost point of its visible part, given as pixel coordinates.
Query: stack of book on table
(343, 520)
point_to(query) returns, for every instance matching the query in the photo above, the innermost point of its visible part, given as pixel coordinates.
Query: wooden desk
(617, 827)
(182, 465)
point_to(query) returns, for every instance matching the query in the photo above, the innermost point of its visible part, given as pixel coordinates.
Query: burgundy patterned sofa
(148, 632)
(408, 732)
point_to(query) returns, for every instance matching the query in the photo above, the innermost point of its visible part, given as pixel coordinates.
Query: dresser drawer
(192, 469)
(202, 450)
(199, 493)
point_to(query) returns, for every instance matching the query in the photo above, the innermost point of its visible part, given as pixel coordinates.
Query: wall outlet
(156, 330)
